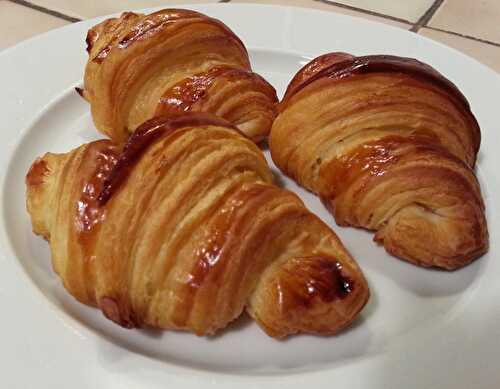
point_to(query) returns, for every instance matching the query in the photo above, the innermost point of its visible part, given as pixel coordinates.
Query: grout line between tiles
(422, 22)
(424, 19)
(472, 38)
(364, 11)
(45, 10)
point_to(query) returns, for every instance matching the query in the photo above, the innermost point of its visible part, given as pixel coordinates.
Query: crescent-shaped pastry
(170, 62)
(183, 229)
(390, 145)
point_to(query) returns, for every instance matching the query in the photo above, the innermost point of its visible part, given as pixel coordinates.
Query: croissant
(389, 144)
(183, 229)
(167, 63)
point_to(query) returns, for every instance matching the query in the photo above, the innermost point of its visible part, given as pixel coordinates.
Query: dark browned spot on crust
(91, 38)
(37, 172)
(89, 213)
(308, 280)
(79, 91)
(111, 310)
(328, 282)
(102, 54)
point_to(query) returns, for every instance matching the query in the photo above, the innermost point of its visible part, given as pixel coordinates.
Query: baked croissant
(390, 145)
(183, 229)
(170, 62)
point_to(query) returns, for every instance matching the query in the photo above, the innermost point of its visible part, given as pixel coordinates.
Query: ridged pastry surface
(182, 228)
(390, 145)
(168, 63)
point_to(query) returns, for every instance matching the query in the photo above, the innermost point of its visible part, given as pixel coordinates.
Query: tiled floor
(324, 6)
(18, 23)
(471, 26)
(410, 10)
(485, 53)
(84, 9)
(475, 18)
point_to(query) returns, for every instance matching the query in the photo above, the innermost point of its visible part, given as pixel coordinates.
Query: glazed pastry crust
(390, 145)
(184, 229)
(170, 62)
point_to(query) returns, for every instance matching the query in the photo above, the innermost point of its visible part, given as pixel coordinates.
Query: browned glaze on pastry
(328, 284)
(373, 158)
(157, 20)
(341, 65)
(214, 246)
(196, 234)
(142, 138)
(182, 96)
(389, 144)
(338, 66)
(312, 68)
(92, 36)
(153, 24)
(106, 33)
(141, 66)
(37, 172)
(89, 212)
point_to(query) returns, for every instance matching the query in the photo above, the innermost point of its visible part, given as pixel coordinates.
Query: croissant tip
(111, 311)
(80, 91)
(37, 172)
(90, 39)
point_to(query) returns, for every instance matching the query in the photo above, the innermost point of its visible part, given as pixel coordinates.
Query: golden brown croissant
(183, 229)
(170, 62)
(390, 145)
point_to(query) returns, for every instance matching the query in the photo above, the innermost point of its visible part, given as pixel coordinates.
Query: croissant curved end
(38, 190)
(303, 290)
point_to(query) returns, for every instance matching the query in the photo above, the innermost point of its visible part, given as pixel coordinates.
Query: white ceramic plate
(421, 328)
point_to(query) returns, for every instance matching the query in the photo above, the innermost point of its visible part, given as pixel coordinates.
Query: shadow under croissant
(240, 323)
(244, 321)
(347, 349)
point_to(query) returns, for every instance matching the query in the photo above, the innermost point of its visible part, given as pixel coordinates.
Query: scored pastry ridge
(390, 145)
(191, 233)
(168, 63)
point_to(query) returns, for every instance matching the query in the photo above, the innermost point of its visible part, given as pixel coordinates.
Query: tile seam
(472, 38)
(364, 11)
(427, 16)
(46, 11)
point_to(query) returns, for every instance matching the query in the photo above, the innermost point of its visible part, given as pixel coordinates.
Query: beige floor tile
(410, 10)
(477, 18)
(18, 23)
(483, 52)
(85, 9)
(327, 7)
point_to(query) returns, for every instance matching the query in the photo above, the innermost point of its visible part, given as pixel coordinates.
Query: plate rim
(11, 148)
